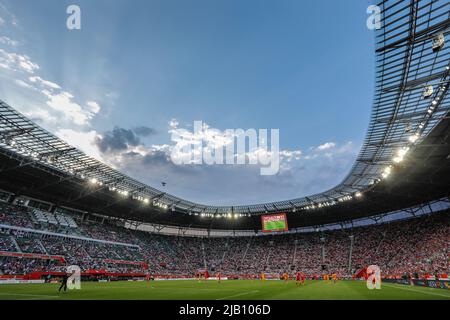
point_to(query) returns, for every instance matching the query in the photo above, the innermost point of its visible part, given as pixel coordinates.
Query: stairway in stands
(13, 240)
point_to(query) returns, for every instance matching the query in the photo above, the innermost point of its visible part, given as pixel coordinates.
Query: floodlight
(386, 172)
(438, 42)
(414, 138)
(427, 92)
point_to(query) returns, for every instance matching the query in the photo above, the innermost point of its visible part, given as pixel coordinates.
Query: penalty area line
(238, 295)
(418, 291)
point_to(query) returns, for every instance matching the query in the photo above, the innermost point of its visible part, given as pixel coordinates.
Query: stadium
(60, 207)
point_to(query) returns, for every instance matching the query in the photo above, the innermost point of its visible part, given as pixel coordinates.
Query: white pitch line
(418, 291)
(27, 295)
(238, 295)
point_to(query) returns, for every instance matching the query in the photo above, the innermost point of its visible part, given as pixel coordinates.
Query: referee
(63, 283)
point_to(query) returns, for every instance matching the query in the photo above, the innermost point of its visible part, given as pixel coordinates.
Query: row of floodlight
(125, 193)
(221, 215)
(319, 205)
(400, 154)
(437, 45)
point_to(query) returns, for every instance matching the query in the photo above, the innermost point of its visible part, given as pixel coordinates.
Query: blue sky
(138, 69)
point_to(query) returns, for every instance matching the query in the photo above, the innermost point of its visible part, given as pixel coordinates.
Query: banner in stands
(173, 279)
(32, 256)
(19, 281)
(431, 283)
(397, 280)
(136, 263)
(441, 284)
(88, 273)
(274, 223)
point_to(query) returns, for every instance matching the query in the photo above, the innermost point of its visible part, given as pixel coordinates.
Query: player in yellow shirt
(334, 277)
(285, 277)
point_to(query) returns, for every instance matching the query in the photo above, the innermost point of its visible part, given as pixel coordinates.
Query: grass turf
(227, 290)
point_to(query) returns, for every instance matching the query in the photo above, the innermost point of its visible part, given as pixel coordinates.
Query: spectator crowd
(416, 246)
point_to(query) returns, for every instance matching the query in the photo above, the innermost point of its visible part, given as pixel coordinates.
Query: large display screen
(274, 222)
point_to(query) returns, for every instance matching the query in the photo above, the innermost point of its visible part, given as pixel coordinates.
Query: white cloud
(8, 16)
(17, 62)
(300, 174)
(326, 146)
(8, 41)
(93, 106)
(23, 84)
(290, 155)
(63, 102)
(42, 115)
(46, 100)
(45, 83)
(4, 66)
(173, 124)
(82, 140)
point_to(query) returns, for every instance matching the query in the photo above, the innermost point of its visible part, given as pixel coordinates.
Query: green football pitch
(227, 290)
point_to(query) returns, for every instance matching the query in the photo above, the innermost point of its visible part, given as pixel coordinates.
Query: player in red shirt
(298, 278)
(218, 277)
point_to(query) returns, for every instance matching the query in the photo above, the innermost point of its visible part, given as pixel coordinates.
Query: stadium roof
(408, 122)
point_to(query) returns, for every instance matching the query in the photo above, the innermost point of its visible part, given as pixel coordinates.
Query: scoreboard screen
(274, 222)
